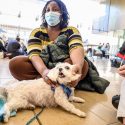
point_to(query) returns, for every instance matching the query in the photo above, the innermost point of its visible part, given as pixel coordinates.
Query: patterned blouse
(39, 39)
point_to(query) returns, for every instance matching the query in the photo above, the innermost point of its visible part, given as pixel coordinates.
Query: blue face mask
(52, 18)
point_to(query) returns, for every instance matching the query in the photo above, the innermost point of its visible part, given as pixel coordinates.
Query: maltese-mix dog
(31, 93)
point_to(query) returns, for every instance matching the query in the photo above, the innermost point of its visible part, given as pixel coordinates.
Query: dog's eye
(67, 67)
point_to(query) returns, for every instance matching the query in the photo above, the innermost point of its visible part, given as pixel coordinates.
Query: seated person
(23, 48)
(34, 65)
(2, 48)
(54, 41)
(14, 48)
(119, 57)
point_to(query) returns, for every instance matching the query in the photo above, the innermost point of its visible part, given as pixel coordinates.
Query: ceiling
(100, 1)
(27, 12)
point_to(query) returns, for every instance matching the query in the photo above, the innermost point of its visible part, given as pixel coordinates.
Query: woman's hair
(63, 10)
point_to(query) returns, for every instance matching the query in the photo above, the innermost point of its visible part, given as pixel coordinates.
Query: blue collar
(66, 89)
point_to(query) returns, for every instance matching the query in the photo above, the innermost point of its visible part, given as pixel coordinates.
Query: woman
(54, 26)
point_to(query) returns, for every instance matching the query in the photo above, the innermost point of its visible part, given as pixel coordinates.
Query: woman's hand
(121, 70)
(46, 78)
(77, 70)
(73, 83)
(44, 73)
(76, 56)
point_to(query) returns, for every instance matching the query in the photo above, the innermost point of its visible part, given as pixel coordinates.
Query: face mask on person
(52, 18)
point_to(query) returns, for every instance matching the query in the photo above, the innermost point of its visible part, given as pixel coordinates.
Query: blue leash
(35, 117)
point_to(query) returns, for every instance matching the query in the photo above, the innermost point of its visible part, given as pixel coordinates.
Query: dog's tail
(3, 93)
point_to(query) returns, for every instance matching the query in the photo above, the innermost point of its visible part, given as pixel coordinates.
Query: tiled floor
(97, 106)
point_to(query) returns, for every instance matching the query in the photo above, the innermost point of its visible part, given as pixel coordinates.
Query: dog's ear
(53, 74)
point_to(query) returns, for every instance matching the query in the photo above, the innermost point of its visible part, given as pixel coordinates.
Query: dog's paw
(5, 118)
(77, 99)
(81, 100)
(31, 107)
(6, 114)
(82, 114)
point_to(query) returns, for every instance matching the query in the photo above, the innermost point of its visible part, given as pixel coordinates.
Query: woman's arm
(76, 49)
(34, 49)
(42, 69)
(39, 65)
(77, 57)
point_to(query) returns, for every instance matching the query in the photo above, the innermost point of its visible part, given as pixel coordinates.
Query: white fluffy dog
(31, 93)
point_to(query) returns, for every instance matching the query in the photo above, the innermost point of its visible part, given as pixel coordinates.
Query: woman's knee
(17, 65)
(21, 68)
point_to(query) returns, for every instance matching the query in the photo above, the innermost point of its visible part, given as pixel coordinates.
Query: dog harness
(66, 89)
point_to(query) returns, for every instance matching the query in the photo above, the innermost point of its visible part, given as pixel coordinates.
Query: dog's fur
(31, 93)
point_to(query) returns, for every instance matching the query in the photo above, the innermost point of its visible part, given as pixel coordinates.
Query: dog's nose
(60, 69)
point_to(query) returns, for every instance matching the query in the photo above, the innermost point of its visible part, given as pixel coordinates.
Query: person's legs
(121, 106)
(103, 53)
(21, 68)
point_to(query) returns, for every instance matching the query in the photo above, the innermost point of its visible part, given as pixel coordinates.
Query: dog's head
(63, 73)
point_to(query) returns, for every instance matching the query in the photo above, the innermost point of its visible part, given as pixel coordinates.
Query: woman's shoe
(115, 101)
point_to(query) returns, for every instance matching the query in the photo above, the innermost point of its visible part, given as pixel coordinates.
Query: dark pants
(103, 53)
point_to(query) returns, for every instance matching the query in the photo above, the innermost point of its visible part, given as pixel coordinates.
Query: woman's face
(53, 6)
